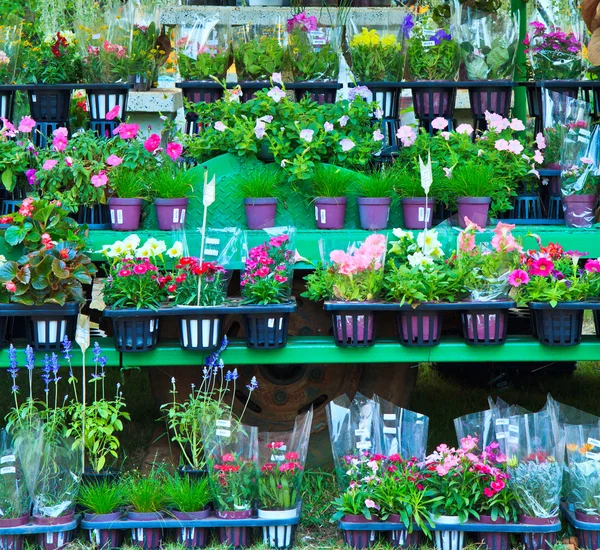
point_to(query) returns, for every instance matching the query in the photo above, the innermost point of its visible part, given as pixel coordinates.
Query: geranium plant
(377, 56)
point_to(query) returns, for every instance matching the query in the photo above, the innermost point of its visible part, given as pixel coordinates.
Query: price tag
(363, 445)
(223, 423)
(323, 216)
(594, 456)
(222, 433)
(7, 459)
(594, 442)
(213, 241)
(360, 432)
(514, 440)
(502, 422)
(428, 43)
(390, 417)
(8, 470)
(389, 430)
(277, 458)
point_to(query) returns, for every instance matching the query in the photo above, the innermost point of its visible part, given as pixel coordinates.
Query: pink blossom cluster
(302, 22)
(118, 50)
(269, 260)
(369, 256)
(551, 39)
(502, 241)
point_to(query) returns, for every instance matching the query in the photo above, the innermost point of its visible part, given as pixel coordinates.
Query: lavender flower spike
(253, 384)
(30, 358)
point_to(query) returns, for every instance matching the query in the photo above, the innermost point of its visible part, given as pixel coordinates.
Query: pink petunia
(59, 143)
(343, 120)
(113, 113)
(406, 135)
(439, 123)
(276, 94)
(307, 135)
(542, 267)
(69, 161)
(445, 135)
(464, 129)
(61, 132)
(515, 146)
(538, 157)
(114, 160)
(540, 140)
(49, 164)
(126, 131)
(152, 143)
(592, 266)
(517, 125)
(501, 145)
(259, 129)
(27, 124)
(347, 145)
(378, 136)
(174, 150)
(219, 126)
(276, 77)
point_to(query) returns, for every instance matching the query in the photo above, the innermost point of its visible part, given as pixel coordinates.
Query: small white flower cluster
(130, 248)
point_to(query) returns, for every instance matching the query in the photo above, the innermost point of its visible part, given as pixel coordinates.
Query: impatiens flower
(27, 124)
(127, 131)
(518, 277)
(30, 175)
(219, 126)
(406, 135)
(49, 164)
(276, 94)
(152, 143)
(515, 146)
(276, 77)
(100, 179)
(174, 150)
(541, 267)
(69, 161)
(328, 127)
(593, 266)
(343, 120)
(259, 129)
(347, 144)
(307, 135)
(377, 135)
(113, 113)
(517, 125)
(114, 160)
(464, 129)
(439, 123)
(501, 145)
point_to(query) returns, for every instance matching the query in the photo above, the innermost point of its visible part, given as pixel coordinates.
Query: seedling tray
(578, 524)
(35, 529)
(430, 306)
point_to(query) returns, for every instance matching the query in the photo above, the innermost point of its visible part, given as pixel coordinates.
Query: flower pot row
(50, 533)
(192, 530)
(201, 328)
(587, 527)
(125, 214)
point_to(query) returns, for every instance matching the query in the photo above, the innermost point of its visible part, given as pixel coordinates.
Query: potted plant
(266, 288)
(149, 49)
(348, 279)
(10, 43)
(260, 189)
(189, 498)
(128, 192)
(374, 199)
(170, 185)
(102, 501)
(147, 500)
(15, 160)
(330, 186)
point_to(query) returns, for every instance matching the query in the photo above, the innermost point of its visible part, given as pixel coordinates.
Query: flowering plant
(16, 151)
(54, 59)
(376, 55)
(135, 281)
(551, 274)
(355, 275)
(280, 478)
(10, 42)
(258, 51)
(554, 137)
(553, 52)
(200, 284)
(148, 50)
(268, 272)
(581, 179)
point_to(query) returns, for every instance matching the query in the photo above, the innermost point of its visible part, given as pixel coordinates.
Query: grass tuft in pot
(128, 184)
(147, 494)
(261, 183)
(375, 185)
(169, 181)
(185, 494)
(103, 497)
(331, 181)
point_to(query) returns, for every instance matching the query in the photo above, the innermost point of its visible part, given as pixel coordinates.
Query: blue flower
(408, 24)
(12, 358)
(253, 384)
(67, 348)
(441, 35)
(30, 358)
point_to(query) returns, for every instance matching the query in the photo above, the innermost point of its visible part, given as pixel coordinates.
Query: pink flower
(10, 286)
(407, 135)
(497, 485)
(69, 161)
(59, 143)
(152, 143)
(124, 272)
(219, 126)
(307, 135)
(489, 493)
(587, 160)
(126, 131)
(328, 127)
(538, 157)
(515, 146)
(371, 504)
(540, 140)
(377, 135)
(114, 160)
(501, 145)
(439, 123)
(113, 113)
(343, 120)
(445, 135)
(276, 77)
(518, 277)
(464, 129)
(140, 269)
(7, 128)
(347, 145)
(447, 172)
(442, 469)
(593, 266)
(517, 125)
(61, 132)
(276, 94)
(100, 179)
(468, 443)
(466, 241)
(266, 118)
(259, 129)
(27, 124)
(496, 122)
(49, 164)
(174, 150)
(541, 267)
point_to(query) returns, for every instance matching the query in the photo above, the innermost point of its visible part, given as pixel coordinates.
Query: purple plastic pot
(579, 210)
(414, 214)
(474, 208)
(373, 213)
(358, 539)
(238, 537)
(493, 541)
(54, 541)
(12, 542)
(362, 336)
(192, 537)
(148, 539)
(479, 320)
(538, 541)
(125, 213)
(402, 538)
(105, 538)
(330, 212)
(260, 213)
(429, 332)
(170, 213)
(587, 539)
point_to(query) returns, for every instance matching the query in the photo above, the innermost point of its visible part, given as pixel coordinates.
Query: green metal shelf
(323, 350)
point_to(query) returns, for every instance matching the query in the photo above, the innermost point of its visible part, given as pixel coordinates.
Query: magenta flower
(152, 143)
(59, 143)
(542, 267)
(69, 161)
(114, 160)
(49, 164)
(592, 266)
(347, 145)
(113, 113)
(174, 150)
(126, 131)
(100, 179)
(518, 277)
(30, 175)
(27, 124)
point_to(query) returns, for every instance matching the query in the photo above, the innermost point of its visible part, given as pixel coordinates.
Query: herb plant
(331, 181)
(169, 181)
(146, 494)
(375, 184)
(260, 183)
(128, 184)
(537, 484)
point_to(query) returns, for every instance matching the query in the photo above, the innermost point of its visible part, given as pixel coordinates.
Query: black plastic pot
(192, 537)
(320, 92)
(110, 475)
(249, 88)
(101, 99)
(95, 217)
(185, 471)
(432, 99)
(134, 330)
(557, 326)
(7, 101)
(485, 323)
(49, 107)
(198, 92)
(200, 331)
(492, 96)
(353, 323)
(266, 326)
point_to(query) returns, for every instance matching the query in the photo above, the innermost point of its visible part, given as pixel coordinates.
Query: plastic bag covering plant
(15, 501)
(269, 268)
(377, 53)
(281, 460)
(203, 50)
(258, 50)
(487, 267)
(582, 444)
(231, 456)
(99, 424)
(488, 43)
(137, 277)
(354, 275)
(10, 42)
(16, 152)
(580, 155)
(549, 274)
(479, 425)
(313, 50)
(417, 272)
(432, 52)
(210, 402)
(53, 58)
(298, 134)
(535, 460)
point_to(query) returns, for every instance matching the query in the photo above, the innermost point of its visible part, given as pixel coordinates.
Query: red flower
(172, 288)
(228, 458)
(291, 456)
(275, 445)
(267, 467)
(64, 253)
(140, 269)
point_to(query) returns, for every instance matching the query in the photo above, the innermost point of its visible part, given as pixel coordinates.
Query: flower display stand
(48, 536)
(354, 323)
(101, 99)
(433, 99)
(197, 92)
(320, 92)
(494, 96)
(49, 106)
(210, 522)
(588, 533)
(560, 325)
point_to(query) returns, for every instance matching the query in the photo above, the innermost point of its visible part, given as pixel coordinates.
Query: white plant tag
(363, 445)
(222, 433)
(7, 459)
(390, 417)
(223, 423)
(8, 470)
(360, 432)
(513, 439)
(323, 216)
(119, 216)
(594, 442)
(271, 323)
(175, 215)
(593, 456)
(389, 430)
(277, 458)
(151, 325)
(211, 252)
(33, 98)
(182, 216)
(96, 36)
(112, 216)
(316, 213)
(514, 429)
(502, 422)
(428, 43)
(500, 435)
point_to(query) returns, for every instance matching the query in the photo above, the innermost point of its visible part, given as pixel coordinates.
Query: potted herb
(128, 192)
(330, 186)
(101, 501)
(147, 500)
(417, 212)
(374, 199)
(347, 279)
(260, 188)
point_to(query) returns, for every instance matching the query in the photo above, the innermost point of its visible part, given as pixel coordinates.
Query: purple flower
(253, 384)
(46, 370)
(29, 358)
(441, 35)
(357, 91)
(557, 275)
(30, 174)
(67, 348)
(408, 24)
(14, 367)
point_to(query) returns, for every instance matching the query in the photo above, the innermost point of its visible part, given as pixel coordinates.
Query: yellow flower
(388, 40)
(365, 38)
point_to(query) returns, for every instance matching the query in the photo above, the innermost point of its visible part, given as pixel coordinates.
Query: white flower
(131, 242)
(428, 241)
(347, 144)
(176, 251)
(377, 135)
(400, 233)
(418, 259)
(259, 129)
(276, 94)
(219, 126)
(155, 246)
(116, 250)
(276, 77)
(328, 127)
(343, 120)
(307, 135)
(144, 252)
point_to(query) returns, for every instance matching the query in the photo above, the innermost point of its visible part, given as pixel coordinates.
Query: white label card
(501, 435)
(7, 459)
(502, 422)
(360, 432)
(175, 215)
(390, 417)
(222, 433)
(428, 43)
(223, 423)
(594, 442)
(8, 470)
(389, 430)
(277, 458)
(212, 240)
(363, 445)
(119, 216)
(594, 456)
(513, 439)
(210, 252)
(323, 216)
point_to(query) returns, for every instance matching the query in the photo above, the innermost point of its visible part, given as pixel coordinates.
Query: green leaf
(15, 235)
(59, 268)
(8, 180)
(8, 271)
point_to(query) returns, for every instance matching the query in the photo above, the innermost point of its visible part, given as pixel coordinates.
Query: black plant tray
(206, 84)
(314, 84)
(555, 84)
(430, 306)
(106, 86)
(549, 172)
(592, 305)
(20, 310)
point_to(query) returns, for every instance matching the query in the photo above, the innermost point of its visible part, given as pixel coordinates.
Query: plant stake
(208, 197)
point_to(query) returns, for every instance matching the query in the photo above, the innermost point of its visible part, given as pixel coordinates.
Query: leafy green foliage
(331, 181)
(537, 485)
(257, 53)
(206, 65)
(314, 61)
(494, 62)
(169, 181)
(102, 497)
(126, 183)
(53, 60)
(260, 183)
(375, 58)
(437, 62)
(146, 493)
(185, 494)
(376, 184)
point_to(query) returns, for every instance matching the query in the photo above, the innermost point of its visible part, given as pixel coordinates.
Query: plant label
(271, 323)
(423, 215)
(119, 217)
(8, 470)
(175, 215)
(33, 98)
(501, 435)
(389, 430)
(428, 43)
(361, 445)
(7, 459)
(390, 417)
(277, 458)
(593, 442)
(323, 216)
(360, 432)
(513, 429)
(182, 216)
(151, 325)
(514, 440)
(112, 216)
(210, 252)
(222, 433)
(223, 423)
(316, 213)
(502, 422)
(593, 456)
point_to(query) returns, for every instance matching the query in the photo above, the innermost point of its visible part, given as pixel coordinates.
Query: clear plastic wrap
(501, 413)
(258, 49)
(269, 267)
(488, 43)
(535, 459)
(377, 52)
(478, 424)
(583, 459)
(231, 451)
(10, 43)
(203, 49)
(404, 432)
(579, 160)
(15, 501)
(281, 460)
(355, 433)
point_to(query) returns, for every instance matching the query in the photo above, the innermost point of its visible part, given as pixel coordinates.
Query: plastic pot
(125, 213)
(354, 329)
(200, 332)
(150, 538)
(414, 213)
(358, 539)
(238, 537)
(134, 330)
(484, 327)
(95, 217)
(278, 536)
(105, 538)
(330, 212)
(419, 328)
(493, 541)
(170, 213)
(192, 537)
(260, 213)
(402, 538)
(54, 541)
(579, 210)
(374, 213)
(474, 208)
(266, 330)
(558, 326)
(587, 539)
(538, 541)
(12, 542)
(448, 539)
